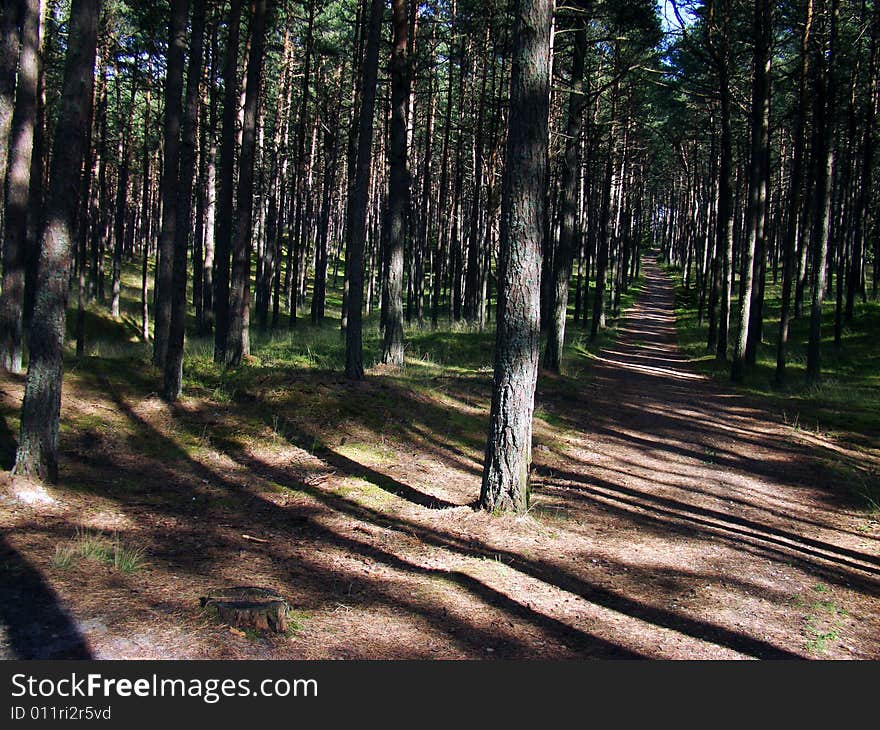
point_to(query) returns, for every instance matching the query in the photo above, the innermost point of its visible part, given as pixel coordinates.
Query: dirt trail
(670, 519)
(735, 508)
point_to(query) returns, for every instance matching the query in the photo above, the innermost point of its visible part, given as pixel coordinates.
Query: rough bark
(794, 199)
(238, 341)
(399, 187)
(225, 198)
(758, 170)
(174, 356)
(507, 464)
(170, 179)
(823, 152)
(9, 53)
(38, 439)
(17, 191)
(357, 209)
(568, 231)
(36, 195)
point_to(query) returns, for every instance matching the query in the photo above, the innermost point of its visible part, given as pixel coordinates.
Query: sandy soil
(671, 519)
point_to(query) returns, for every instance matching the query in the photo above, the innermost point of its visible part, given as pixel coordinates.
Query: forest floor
(671, 518)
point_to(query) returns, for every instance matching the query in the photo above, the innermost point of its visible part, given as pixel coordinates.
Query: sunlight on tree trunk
(509, 444)
(37, 453)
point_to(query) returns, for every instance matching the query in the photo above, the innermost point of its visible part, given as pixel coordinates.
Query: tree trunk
(17, 191)
(442, 225)
(100, 174)
(474, 240)
(269, 258)
(509, 445)
(147, 234)
(568, 231)
(794, 199)
(725, 230)
(296, 256)
(170, 175)
(121, 197)
(598, 320)
(206, 326)
(399, 187)
(866, 158)
(36, 194)
(226, 197)
(758, 171)
(174, 358)
(357, 209)
(238, 342)
(823, 151)
(82, 233)
(319, 291)
(10, 39)
(41, 407)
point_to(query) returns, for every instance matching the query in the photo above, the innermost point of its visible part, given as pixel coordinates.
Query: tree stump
(248, 607)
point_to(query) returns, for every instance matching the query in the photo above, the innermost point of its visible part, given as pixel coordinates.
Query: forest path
(671, 518)
(732, 514)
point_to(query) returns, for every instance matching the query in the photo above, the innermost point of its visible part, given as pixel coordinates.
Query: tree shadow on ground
(352, 468)
(8, 445)
(544, 571)
(322, 580)
(703, 517)
(35, 623)
(179, 496)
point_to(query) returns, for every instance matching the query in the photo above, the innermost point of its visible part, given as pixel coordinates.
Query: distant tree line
(769, 178)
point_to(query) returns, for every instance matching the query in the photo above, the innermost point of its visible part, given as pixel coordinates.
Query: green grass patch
(823, 625)
(100, 548)
(296, 621)
(364, 453)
